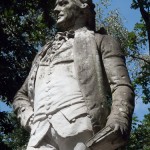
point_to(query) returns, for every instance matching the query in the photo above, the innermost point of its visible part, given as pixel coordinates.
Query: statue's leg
(81, 146)
(79, 132)
(44, 147)
(76, 141)
(47, 143)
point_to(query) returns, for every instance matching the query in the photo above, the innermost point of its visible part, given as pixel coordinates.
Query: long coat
(102, 76)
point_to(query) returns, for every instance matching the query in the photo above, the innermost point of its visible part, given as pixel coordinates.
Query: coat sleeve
(22, 106)
(119, 81)
(21, 102)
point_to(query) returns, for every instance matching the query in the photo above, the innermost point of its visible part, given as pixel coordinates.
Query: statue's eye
(63, 3)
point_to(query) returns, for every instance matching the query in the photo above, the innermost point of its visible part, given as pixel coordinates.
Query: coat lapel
(90, 76)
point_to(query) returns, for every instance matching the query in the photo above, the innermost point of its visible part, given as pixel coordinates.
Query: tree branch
(141, 57)
(146, 17)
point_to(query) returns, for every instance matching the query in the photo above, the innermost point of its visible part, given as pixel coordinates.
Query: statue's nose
(57, 9)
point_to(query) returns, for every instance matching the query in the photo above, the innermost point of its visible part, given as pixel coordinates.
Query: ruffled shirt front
(56, 86)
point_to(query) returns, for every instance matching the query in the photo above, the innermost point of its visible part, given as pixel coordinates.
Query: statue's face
(66, 12)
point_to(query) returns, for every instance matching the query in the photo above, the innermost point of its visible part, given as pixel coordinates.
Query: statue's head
(74, 14)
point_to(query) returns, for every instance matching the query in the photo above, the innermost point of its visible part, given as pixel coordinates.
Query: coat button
(73, 120)
(48, 81)
(23, 109)
(47, 89)
(30, 87)
(50, 116)
(88, 116)
(47, 107)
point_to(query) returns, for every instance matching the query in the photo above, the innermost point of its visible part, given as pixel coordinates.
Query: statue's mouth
(59, 16)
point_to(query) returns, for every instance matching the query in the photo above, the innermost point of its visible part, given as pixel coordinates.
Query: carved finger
(116, 127)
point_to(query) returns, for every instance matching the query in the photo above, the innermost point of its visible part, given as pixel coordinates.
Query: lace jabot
(59, 39)
(64, 35)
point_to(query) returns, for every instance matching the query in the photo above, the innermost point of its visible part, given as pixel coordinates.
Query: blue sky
(130, 17)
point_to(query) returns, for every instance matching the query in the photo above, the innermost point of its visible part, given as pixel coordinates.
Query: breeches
(52, 141)
(55, 141)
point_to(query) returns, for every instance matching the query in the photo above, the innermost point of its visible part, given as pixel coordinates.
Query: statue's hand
(24, 114)
(119, 127)
(118, 124)
(30, 123)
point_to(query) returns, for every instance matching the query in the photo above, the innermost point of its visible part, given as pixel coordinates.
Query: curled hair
(90, 12)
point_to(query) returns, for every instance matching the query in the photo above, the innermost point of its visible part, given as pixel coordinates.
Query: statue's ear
(83, 6)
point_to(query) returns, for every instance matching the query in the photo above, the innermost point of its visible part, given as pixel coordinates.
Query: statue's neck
(78, 24)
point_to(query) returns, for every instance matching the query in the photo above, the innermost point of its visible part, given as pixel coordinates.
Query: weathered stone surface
(64, 100)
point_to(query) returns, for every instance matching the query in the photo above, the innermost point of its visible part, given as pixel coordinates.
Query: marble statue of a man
(65, 99)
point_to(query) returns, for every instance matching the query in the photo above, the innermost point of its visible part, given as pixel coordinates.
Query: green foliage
(139, 40)
(143, 79)
(14, 137)
(140, 135)
(25, 26)
(132, 41)
(112, 22)
(136, 4)
(144, 26)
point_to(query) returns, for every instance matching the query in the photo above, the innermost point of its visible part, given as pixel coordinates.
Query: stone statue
(66, 98)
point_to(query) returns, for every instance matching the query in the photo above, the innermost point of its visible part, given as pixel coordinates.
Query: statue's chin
(63, 26)
(60, 25)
